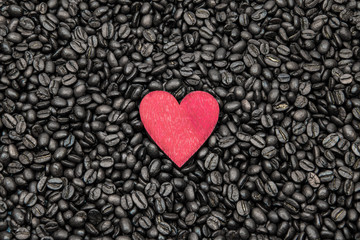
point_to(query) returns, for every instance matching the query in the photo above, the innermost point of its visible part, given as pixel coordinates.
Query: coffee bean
(22, 233)
(139, 199)
(258, 216)
(282, 134)
(355, 147)
(29, 141)
(211, 162)
(338, 214)
(15, 167)
(298, 176)
(69, 79)
(9, 121)
(190, 18)
(233, 193)
(257, 141)
(38, 210)
(269, 152)
(330, 140)
(54, 183)
(67, 192)
(226, 142)
(312, 129)
(163, 227)
(272, 60)
(30, 199)
(345, 172)
(313, 180)
(243, 208)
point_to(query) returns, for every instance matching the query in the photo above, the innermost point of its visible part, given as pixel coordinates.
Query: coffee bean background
(282, 163)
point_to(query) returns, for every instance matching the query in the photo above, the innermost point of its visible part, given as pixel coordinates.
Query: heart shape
(179, 129)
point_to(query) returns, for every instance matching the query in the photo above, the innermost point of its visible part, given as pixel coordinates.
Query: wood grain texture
(179, 129)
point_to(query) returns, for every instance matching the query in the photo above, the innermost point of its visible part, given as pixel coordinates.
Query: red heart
(179, 129)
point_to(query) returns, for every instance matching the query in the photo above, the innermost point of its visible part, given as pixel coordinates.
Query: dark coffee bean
(312, 129)
(355, 147)
(15, 167)
(9, 121)
(313, 180)
(330, 140)
(345, 172)
(271, 188)
(338, 214)
(298, 176)
(3, 207)
(267, 121)
(190, 219)
(258, 216)
(26, 158)
(139, 199)
(54, 183)
(106, 162)
(22, 233)
(149, 35)
(190, 18)
(67, 192)
(213, 223)
(272, 60)
(79, 46)
(163, 227)
(29, 141)
(312, 233)
(226, 142)
(145, 222)
(281, 134)
(107, 30)
(269, 152)
(211, 162)
(30, 199)
(243, 208)
(257, 141)
(233, 193)
(112, 140)
(38, 210)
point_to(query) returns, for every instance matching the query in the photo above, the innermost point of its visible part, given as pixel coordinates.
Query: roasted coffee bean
(313, 180)
(54, 183)
(272, 60)
(267, 121)
(190, 18)
(9, 121)
(330, 140)
(106, 162)
(282, 134)
(269, 152)
(139, 199)
(243, 208)
(211, 162)
(233, 193)
(338, 214)
(271, 188)
(226, 142)
(257, 141)
(22, 233)
(345, 172)
(298, 176)
(29, 141)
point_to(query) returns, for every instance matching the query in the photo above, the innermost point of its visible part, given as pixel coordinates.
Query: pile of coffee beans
(77, 163)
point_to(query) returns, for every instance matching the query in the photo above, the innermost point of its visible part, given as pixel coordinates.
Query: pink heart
(179, 129)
